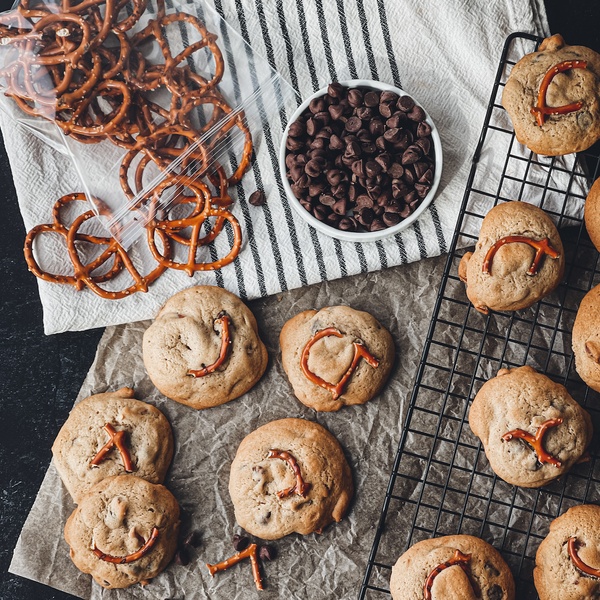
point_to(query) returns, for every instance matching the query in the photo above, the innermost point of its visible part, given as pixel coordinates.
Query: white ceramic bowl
(358, 236)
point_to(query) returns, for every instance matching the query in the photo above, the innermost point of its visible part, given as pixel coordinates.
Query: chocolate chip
(391, 218)
(424, 144)
(348, 224)
(380, 143)
(358, 167)
(314, 168)
(376, 127)
(192, 539)
(364, 113)
(316, 105)
(423, 129)
(353, 148)
(377, 225)
(365, 216)
(388, 96)
(336, 142)
(392, 135)
(411, 155)
(416, 114)
(491, 569)
(336, 111)
(333, 219)
(327, 200)
(353, 124)
(385, 110)
(297, 129)
(316, 188)
(294, 144)
(364, 201)
(422, 189)
(405, 103)
(396, 170)
(371, 98)
(384, 160)
(495, 593)
(267, 552)
(355, 97)
(240, 542)
(334, 177)
(372, 168)
(182, 557)
(336, 90)
(321, 212)
(340, 207)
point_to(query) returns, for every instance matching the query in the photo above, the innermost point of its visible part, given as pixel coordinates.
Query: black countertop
(41, 375)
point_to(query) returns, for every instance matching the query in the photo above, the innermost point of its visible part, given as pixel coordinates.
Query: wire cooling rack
(441, 482)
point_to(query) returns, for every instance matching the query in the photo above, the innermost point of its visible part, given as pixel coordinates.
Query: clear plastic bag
(158, 106)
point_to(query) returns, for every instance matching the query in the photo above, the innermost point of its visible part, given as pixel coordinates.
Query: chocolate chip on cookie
(531, 429)
(567, 563)
(124, 531)
(289, 476)
(518, 259)
(455, 566)
(336, 356)
(203, 348)
(553, 98)
(112, 434)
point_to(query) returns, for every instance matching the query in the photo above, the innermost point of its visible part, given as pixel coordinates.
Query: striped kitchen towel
(444, 53)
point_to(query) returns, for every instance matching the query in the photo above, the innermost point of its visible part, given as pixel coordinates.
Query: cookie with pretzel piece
(112, 434)
(518, 259)
(461, 567)
(567, 563)
(289, 476)
(585, 339)
(124, 531)
(531, 429)
(553, 98)
(335, 357)
(203, 348)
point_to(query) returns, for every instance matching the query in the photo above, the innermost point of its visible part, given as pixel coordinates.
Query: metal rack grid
(441, 483)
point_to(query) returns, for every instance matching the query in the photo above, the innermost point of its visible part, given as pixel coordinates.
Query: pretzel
(300, 487)
(537, 441)
(541, 247)
(57, 227)
(572, 549)
(459, 559)
(123, 560)
(360, 351)
(251, 553)
(223, 319)
(116, 440)
(540, 110)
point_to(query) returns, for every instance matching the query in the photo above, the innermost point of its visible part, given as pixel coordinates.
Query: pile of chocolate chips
(360, 159)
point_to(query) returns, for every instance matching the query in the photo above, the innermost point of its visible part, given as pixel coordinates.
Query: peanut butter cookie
(518, 259)
(124, 531)
(112, 434)
(567, 563)
(336, 356)
(586, 339)
(203, 348)
(289, 476)
(552, 97)
(530, 427)
(457, 567)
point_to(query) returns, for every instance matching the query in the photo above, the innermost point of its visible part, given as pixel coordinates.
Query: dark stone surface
(40, 375)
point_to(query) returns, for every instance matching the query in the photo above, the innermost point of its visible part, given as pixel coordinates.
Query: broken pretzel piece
(251, 553)
(537, 441)
(300, 487)
(116, 440)
(122, 560)
(541, 247)
(572, 548)
(223, 320)
(459, 559)
(360, 351)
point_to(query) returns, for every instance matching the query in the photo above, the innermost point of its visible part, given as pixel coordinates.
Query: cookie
(552, 98)
(585, 339)
(124, 531)
(531, 429)
(461, 567)
(203, 348)
(336, 356)
(567, 563)
(518, 259)
(111, 434)
(289, 476)
(592, 214)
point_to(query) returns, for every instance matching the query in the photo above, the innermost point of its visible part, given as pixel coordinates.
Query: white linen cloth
(444, 53)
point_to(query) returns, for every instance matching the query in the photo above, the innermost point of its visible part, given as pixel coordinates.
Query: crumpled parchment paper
(330, 565)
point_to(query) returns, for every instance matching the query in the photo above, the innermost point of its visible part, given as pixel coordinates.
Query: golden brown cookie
(289, 476)
(586, 339)
(518, 259)
(112, 434)
(457, 567)
(531, 429)
(336, 356)
(124, 531)
(203, 348)
(567, 563)
(552, 97)
(592, 214)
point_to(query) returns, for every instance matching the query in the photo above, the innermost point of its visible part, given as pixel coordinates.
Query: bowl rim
(361, 236)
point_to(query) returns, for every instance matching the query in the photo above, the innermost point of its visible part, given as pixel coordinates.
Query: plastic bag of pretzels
(159, 104)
